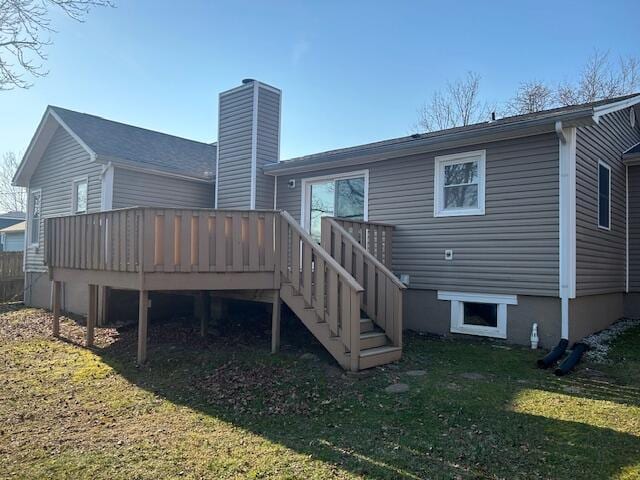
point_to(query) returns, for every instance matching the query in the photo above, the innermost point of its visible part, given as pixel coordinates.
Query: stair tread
(379, 350)
(372, 333)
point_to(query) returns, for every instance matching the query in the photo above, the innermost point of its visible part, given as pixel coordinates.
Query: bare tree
(25, 32)
(12, 198)
(601, 78)
(531, 97)
(458, 105)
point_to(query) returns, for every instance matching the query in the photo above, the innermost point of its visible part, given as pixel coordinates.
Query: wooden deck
(341, 289)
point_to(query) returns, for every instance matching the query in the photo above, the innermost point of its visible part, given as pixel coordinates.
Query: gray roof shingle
(401, 142)
(119, 142)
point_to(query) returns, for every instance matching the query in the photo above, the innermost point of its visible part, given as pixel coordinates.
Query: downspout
(567, 223)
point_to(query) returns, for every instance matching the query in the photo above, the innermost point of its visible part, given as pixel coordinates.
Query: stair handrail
(333, 293)
(375, 294)
(326, 256)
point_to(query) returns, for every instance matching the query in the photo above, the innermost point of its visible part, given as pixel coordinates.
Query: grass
(223, 407)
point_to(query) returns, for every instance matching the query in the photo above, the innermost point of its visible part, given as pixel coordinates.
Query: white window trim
(438, 182)
(306, 193)
(74, 202)
(601, 163)
(457, 300)
(30, 217)
(106, 188)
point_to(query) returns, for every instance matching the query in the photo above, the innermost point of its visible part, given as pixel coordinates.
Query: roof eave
(486, 134)
(138, 167)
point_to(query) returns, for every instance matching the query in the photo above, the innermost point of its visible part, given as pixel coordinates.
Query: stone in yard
(472, 376)
(397, 388)
(309, 356)
(416, 373)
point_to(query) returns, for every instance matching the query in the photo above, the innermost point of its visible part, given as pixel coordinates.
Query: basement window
(604, 196)
(459, 184)
(479, 314)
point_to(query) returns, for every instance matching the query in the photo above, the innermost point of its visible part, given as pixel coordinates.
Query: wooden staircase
(342, 293)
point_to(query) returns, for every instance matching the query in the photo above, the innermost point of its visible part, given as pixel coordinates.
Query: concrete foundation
(423, 312)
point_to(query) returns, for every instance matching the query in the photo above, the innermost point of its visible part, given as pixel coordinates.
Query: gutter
(410, 146)
(137, 167)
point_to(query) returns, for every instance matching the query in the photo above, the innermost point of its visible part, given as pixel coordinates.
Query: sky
(351, 72)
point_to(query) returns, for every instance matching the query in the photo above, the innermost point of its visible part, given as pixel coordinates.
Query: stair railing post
(354, 325)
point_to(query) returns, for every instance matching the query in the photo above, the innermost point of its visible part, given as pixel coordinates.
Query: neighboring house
(12, 237)
(11, 218)
(498, 225)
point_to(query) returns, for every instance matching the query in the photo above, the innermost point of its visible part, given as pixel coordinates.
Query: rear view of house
(478, 230)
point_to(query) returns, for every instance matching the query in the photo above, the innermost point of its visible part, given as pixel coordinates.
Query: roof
(124, 145)
(120, 142)
(13, 215)
(15, 228)
(538, 122)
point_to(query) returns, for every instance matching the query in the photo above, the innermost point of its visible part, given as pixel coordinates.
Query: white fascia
(602, 110)
(567, 224)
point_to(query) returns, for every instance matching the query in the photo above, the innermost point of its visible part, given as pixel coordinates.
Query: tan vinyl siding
(601, 254)
(131, 188)
(634, 228)
(267, 144)
(512, 249)
(63, 161)
(234, 148)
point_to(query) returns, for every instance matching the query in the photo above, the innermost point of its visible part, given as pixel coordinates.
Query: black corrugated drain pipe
(554, 355)
(572, 360)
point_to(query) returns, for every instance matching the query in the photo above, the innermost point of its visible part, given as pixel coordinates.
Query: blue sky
(351, 71)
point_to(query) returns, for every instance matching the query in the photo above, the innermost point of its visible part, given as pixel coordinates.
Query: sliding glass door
(343, 196)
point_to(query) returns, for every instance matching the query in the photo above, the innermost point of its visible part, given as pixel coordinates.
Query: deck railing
(382, 299)
(163, 240)
(323, 283)
(336, 279)
(375, 237)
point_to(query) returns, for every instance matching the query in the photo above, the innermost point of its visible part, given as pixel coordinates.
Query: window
(459, 182)
(604, 196)
(342, 196)
(35, 212)
(80, 196)
(479, 314)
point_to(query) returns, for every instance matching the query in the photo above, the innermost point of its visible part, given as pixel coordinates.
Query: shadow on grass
(446, 426)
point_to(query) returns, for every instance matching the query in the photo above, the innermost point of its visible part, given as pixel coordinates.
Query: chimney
(248, 139)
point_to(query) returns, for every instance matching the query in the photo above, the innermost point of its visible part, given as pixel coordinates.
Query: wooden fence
(11, 276)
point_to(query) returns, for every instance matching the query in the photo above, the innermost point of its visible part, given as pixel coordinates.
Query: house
(491, 227)
(12, 237)
(11, 218)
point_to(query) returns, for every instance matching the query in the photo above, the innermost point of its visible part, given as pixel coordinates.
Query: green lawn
(225, 408)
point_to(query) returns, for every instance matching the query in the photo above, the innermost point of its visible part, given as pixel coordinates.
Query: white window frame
(605, 165)
(30, 217)
(458, 299)
(306, 184)
(74, 198)
(438, 183)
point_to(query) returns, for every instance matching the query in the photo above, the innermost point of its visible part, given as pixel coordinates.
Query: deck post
(143, 309)
(202, 310)
(92, 314)
(56, 308)
(275, 322)
(103, 302)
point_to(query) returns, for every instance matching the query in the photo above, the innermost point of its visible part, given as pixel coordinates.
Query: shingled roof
(121, 143)
(535, 122)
